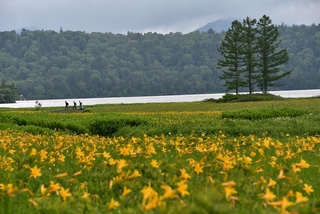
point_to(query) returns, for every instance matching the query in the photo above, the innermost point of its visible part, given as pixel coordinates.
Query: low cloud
(153, 15)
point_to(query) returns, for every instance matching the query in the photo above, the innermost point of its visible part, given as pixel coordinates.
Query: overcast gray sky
(162, 16)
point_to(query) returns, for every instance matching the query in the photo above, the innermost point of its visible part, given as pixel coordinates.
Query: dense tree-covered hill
(68, 64)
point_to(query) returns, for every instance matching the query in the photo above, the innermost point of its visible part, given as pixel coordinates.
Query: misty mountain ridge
(225, 23)
(218, 25)
(31, 28)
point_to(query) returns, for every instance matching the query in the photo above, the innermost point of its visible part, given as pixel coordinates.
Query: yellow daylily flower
(126, 191)
(106, 155)
(282, 205)
(11, 189)
(121, 164)
(229, 191)
(135, 174)
(300, 198)
(85, 195)
(198, 168)
(303, 164)
(169, 192)
(155, 164)
(64, 193)
(44, 191)
(308, 189)
(35, 172)
(229, 184)
(77, 173)
(271, 183)
(184, 175)
(54, 187)
(113, 204)
(182, 188)
(269, 196)
(62, 175)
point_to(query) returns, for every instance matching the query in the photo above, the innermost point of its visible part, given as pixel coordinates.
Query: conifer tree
(270, 57)
(252, 56)
(231, 49)
(250, 52)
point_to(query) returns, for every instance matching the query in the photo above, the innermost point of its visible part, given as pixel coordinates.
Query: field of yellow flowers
(193, 173)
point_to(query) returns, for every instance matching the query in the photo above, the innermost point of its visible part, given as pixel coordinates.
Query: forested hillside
(69, 64)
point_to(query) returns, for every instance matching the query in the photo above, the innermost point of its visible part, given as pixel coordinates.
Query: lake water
(148, 99)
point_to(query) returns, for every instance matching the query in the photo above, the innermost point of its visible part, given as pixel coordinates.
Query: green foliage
(75, 205)
(276, 122)
(206, 201)
(36, 130)
(108, 126)
(42, 122)
(8, 204)
(260, 114)
(8, 92)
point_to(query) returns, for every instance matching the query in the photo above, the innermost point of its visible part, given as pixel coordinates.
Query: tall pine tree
(252, 56)
(250, 51)
(270, 57)
(231, 49)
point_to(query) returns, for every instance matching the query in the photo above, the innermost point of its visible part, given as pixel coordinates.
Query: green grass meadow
(198, 157)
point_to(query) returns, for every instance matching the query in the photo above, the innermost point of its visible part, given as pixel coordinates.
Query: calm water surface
(148, 99)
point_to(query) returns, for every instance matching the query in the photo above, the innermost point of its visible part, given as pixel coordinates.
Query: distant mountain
(218, 25)
(31, 28)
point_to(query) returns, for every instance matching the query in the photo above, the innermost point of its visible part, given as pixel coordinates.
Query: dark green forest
(75, 64)
(8, 92)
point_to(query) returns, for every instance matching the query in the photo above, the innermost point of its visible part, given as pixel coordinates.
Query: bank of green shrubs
(252, 114)
(43, 122)
(277, 118)
(227, 98)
